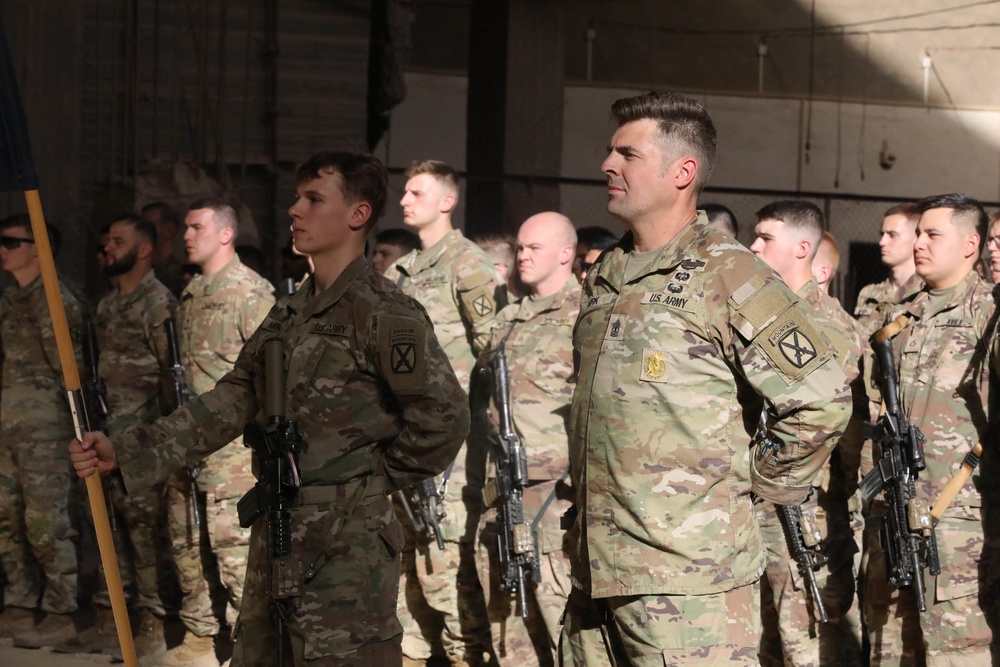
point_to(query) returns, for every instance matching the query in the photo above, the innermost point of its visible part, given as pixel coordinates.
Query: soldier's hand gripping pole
(71, 378)
(181, 396)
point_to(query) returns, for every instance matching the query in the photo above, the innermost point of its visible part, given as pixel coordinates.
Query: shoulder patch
(758, 309)
(402, 346)
(793, 346)
(480, 302)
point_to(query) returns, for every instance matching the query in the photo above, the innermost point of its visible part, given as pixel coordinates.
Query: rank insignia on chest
(615, 327)
(797, 348)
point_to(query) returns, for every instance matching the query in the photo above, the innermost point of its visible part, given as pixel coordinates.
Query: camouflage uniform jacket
(539, 350)
(33, 401)
(875, 300)
(674, 368)
(943, 358)
(377, 407)
(456, 282)
(218, 313)
(134, 356)
(833, 488)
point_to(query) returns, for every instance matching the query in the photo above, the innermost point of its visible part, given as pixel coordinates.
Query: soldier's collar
(208, 284)
(431, 256)
(960, 294)
(309, 304)
(670, 256)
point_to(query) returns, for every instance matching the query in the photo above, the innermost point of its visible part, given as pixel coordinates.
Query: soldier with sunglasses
(37, 539)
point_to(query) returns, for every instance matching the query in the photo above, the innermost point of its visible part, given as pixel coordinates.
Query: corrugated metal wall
(111, 86)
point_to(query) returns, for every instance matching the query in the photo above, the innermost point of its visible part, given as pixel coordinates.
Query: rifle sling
(548, 501)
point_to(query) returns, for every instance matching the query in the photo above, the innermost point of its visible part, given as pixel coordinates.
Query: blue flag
(17, 169)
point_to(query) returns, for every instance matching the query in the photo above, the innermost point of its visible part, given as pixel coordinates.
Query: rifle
(801, 533)
(95, 394)
(907, 532)
(95, 390)
(516, 542)
(427, 518)
(276, 446)
(181, 396)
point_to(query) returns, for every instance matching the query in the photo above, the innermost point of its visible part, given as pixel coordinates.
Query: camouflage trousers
(37, 538)
(441, 605)
(345, 616)
(220, 535)
(792, 635)
(137, 546)
(525, 641)
(662, 630)
(961, 601)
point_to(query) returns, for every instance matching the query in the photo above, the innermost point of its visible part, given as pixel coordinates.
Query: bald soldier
(455, 281)
(826, 262)
(788, 237)
(683, 338)
(536, 334)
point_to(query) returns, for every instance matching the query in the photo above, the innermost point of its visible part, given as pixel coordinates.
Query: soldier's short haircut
(364, 178)
(498, 247)
(908, 209)
(166, 212)
(442, 172)
(23, 221)
(720, 216)
(799, 215)
(403, 238)
(964, 211)
(685, 126)
(595, 237)
(144, 229)
(225, 215)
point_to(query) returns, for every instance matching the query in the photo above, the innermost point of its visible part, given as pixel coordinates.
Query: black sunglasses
(13, 242)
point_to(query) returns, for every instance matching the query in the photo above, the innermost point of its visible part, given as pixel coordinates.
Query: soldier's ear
(567, 254)
(360, 215)
(227, 235)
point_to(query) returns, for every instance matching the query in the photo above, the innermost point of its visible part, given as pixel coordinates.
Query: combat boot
(54, 629)
(14, 620)
(149, 639)
(101, 637)
(194, 652)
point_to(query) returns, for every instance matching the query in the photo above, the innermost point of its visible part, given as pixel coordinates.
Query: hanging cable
(865, 67)
(840, 115)
(809, 101)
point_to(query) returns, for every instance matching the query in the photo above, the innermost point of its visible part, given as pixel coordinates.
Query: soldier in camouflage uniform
(36, 482)
(377, 406)
(219, 311)
(896, 237)
(134, 363)
(943, 359)
(537, 336)
(788, 235)
(455, 281)
(683, 338)
(993, 247)
(826, 262)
